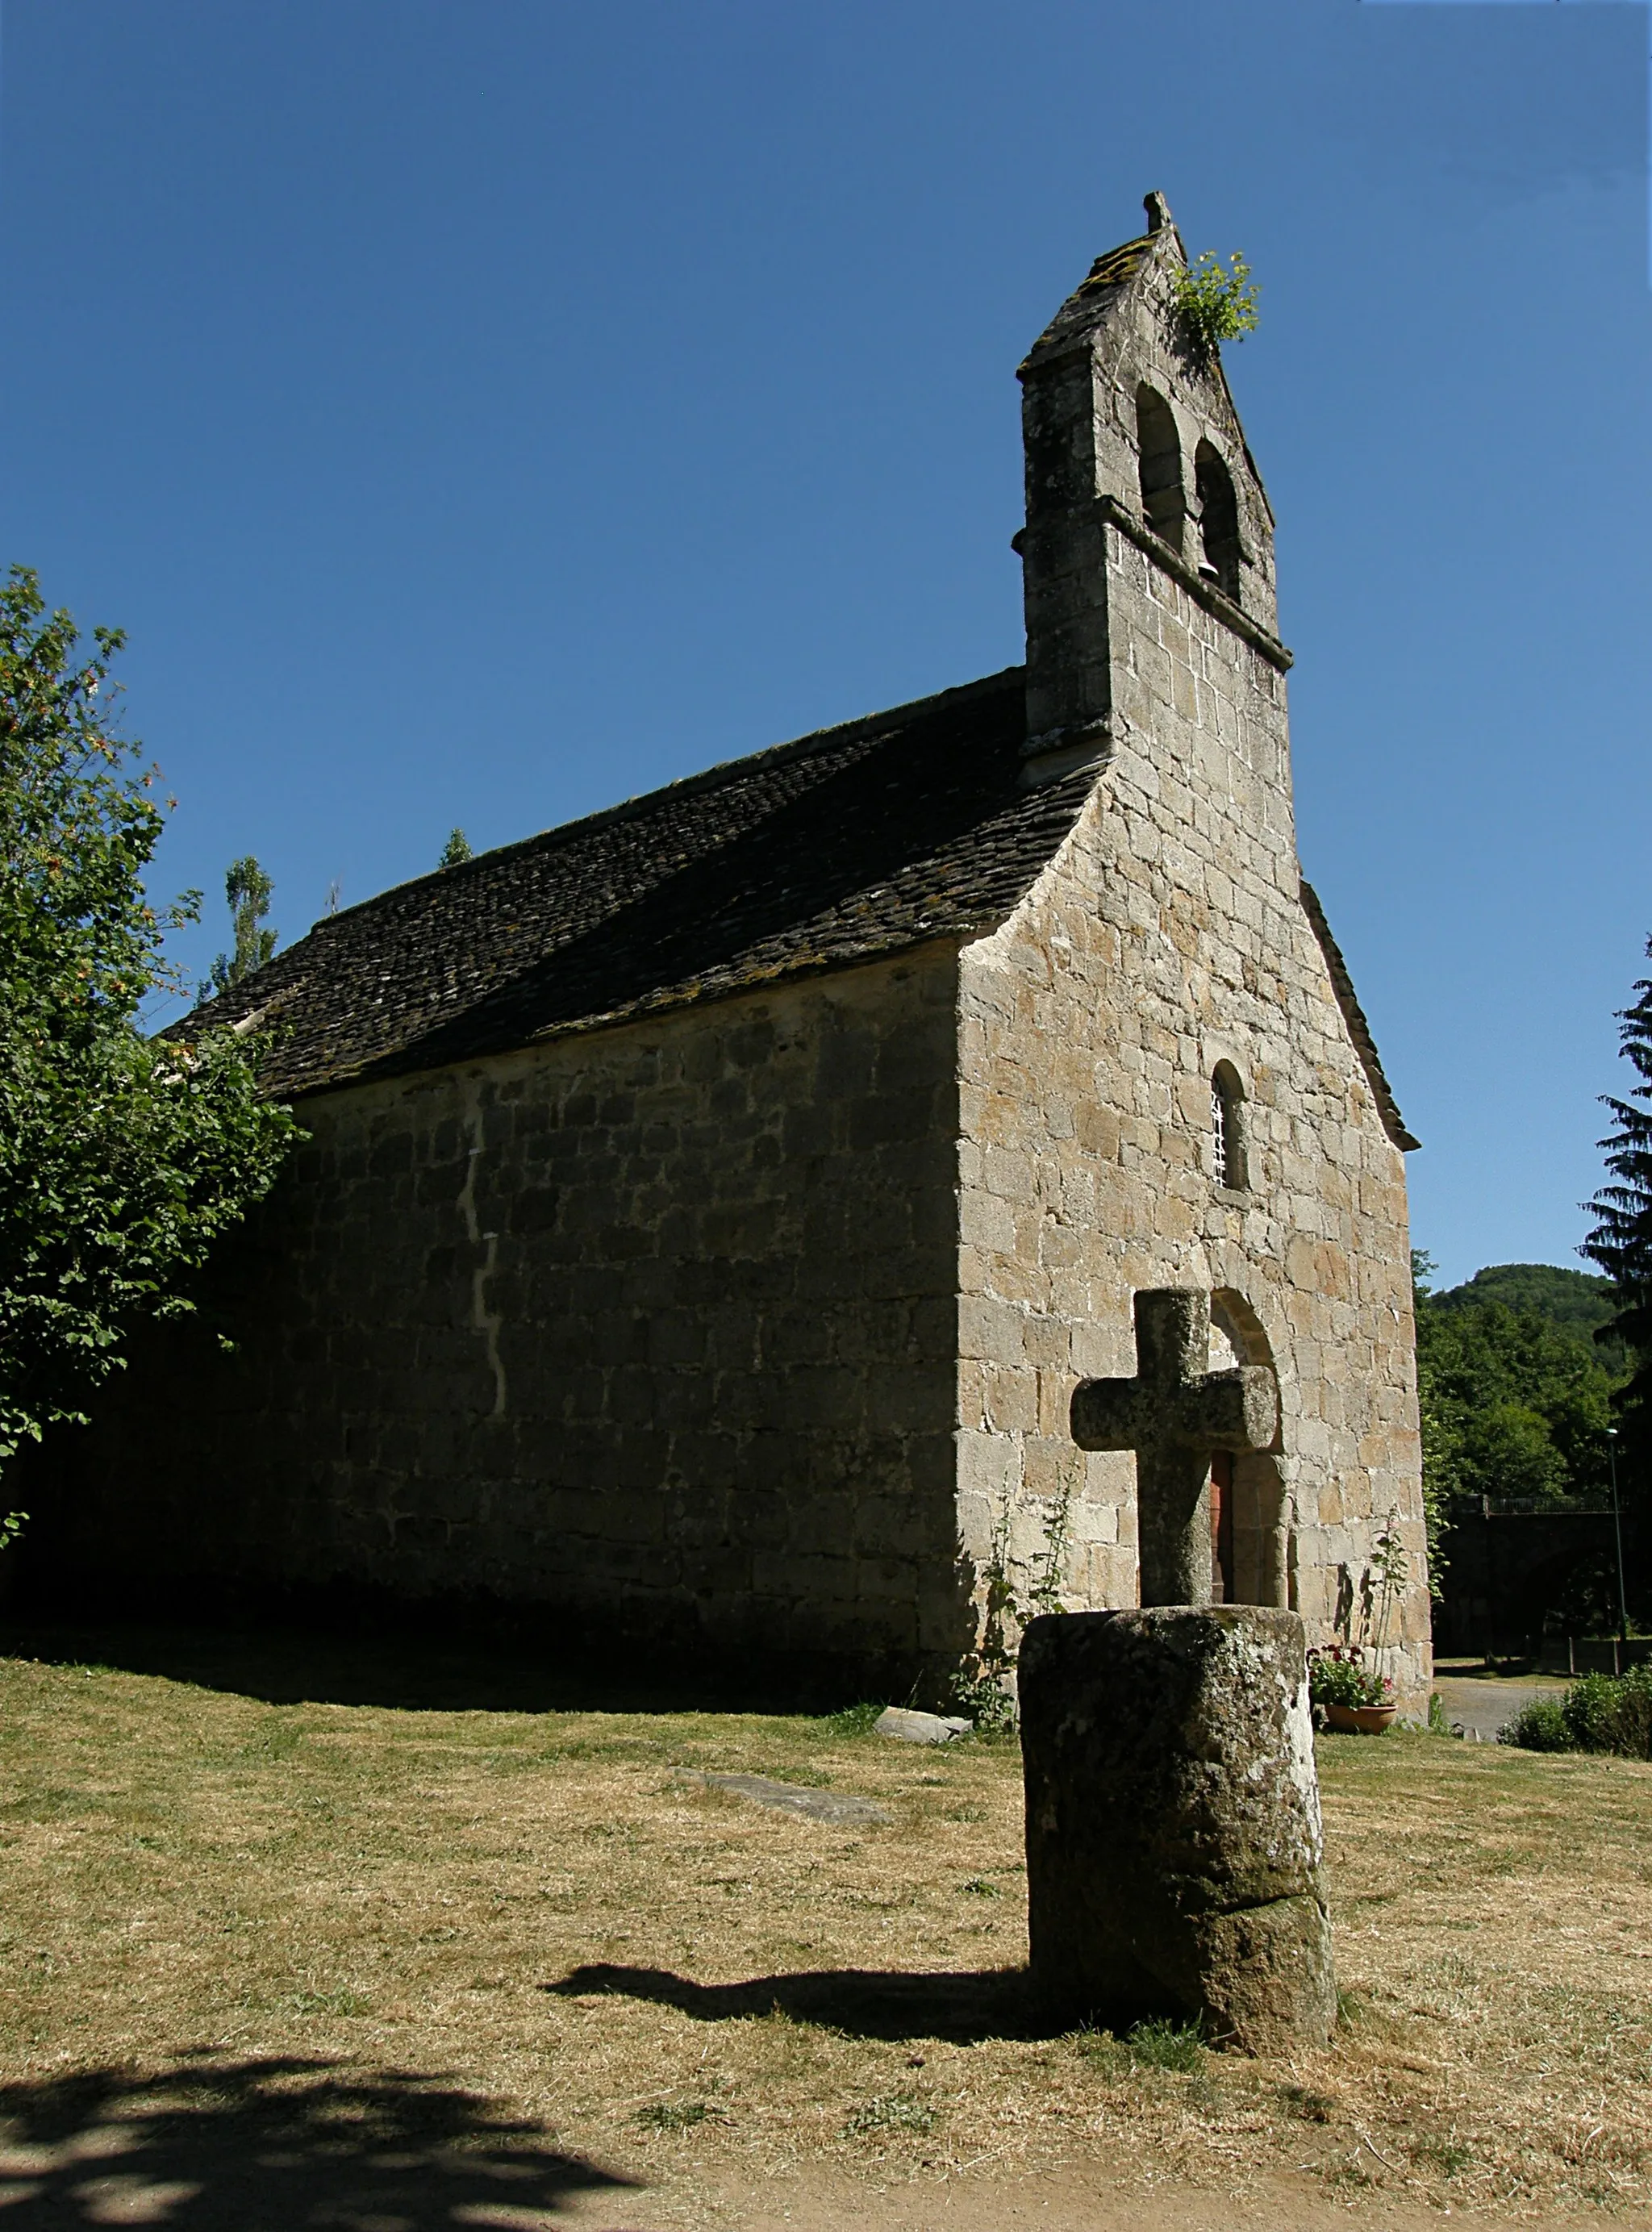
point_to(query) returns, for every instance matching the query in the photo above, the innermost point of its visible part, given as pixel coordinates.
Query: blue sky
(479, 414)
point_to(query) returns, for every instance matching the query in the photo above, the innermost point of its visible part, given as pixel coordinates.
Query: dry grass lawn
(402, 1965)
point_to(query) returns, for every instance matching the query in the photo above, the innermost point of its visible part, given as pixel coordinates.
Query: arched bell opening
(1158, 448)
(1218, 521)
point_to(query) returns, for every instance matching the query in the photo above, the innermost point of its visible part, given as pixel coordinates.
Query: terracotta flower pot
(1361, 1720)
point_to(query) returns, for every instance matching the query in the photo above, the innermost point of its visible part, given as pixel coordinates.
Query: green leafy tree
(1579, 1298)
(1437, 1447)
(249, 892)
(457, 851)
(1622, 1240)
(122, 1157)
(1515, 1403)
(1510, 1451)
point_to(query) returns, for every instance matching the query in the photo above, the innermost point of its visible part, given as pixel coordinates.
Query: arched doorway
(1250, 1532)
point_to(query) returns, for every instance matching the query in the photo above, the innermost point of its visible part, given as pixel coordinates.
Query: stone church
(710, 1208)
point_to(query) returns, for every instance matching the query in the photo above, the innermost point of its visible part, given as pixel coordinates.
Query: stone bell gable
(709, 1207)
(1131, 438)
(1167, 1080)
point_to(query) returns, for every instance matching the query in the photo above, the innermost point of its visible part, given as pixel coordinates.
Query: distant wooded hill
(1578, 1298)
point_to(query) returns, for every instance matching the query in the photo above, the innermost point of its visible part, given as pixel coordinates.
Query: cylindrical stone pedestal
(1173, 1853)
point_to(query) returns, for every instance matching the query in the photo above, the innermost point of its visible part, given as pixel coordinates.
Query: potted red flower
(1354, 1697)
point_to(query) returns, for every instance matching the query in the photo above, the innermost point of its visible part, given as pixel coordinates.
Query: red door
(1221, 1526)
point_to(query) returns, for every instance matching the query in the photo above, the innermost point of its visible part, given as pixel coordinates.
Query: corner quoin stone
(1175, 1858)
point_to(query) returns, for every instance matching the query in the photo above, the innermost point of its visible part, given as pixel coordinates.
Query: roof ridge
(826, 850)
(706, 779)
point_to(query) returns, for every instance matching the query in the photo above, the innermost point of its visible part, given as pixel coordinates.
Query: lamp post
(1618, 1536)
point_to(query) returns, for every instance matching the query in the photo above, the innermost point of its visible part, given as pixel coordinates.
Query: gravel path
(1479, 1708)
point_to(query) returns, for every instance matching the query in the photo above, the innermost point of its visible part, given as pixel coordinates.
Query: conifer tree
(1622, 1240)
(457, 851)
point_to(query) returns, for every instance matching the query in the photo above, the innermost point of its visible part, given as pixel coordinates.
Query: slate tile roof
(854, 842)
(845, 846)
(1358, 1030)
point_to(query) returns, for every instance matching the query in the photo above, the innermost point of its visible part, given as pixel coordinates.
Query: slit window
(1226, 1123)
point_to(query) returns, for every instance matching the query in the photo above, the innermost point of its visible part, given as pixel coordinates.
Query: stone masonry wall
(653, 1326)
(1168, 936)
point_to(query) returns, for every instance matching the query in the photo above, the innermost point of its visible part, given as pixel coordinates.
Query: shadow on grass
(280, 1665)
(963, 2007)
(215, 2145)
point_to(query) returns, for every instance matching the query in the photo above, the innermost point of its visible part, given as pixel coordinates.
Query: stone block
(906, 1726)
(1174, 1850)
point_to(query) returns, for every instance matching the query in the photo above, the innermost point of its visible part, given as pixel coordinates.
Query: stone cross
(1173, 1414)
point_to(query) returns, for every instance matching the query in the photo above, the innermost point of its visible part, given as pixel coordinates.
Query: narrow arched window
(1218, 520)
(1227, 1124)
(1159, 459)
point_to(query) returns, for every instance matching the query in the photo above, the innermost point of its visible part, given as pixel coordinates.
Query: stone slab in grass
(833, 1807)
(908, 1727)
